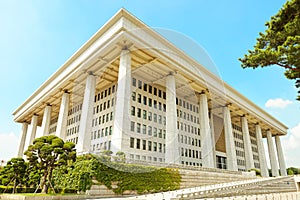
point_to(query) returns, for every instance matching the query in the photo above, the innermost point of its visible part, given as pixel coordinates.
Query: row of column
(122, 119)
(231, 153)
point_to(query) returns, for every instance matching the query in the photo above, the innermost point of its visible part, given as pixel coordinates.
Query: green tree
(13, 172)
(48, 152)
(280, 44)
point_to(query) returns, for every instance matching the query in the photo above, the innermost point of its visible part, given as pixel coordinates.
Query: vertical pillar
(247, 144)
(32, 130)
(261, 152)
(122, 107)
(172, 146)
(61, 127)
(229, 141)
(84, 136)
(46, 120)
(272, 154)
(205, 131)
(22, 139)
(213, 140)
(281, 160)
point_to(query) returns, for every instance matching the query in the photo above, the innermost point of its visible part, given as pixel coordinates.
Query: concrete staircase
(195, 178)
(246, 187)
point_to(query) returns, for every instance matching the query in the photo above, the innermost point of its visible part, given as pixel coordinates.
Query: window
(159, 93)
(138, 127)
(160, 147)
(155, 91)
(106, 131)
(154, 146)
(133, 82)
(150, 89)
(160, 133)
(138, 143)
(150, 130)
(131, 142)
(132, 110)
(110, 130)
(155, 132)
(155, 117)
(133, 96)
(144, 114)
(159, 119)
(144, 129)
(144, 144)
(145, 100)
(139, 112)
(145, 87)
(139, 98)
(155, 104)
(150, 116)
(149, 146)
(149, 102)
(132, 126)
(140, 84)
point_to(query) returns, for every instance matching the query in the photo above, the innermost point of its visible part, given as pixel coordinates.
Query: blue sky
(37, 37)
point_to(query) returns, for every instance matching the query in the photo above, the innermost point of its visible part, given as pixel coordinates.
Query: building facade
(128, 89)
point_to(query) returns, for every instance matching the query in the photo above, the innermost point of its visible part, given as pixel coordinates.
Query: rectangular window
(154, 146)
(164, 95)
(133, 96)
(160, 147)
(150, 130)
(149, 146)
(144, 144)
(144, 129)
(145, 87)
(160, 133)
(159, 119)
(139, 112)
(150, 89)
(106, 131)
(149, 102)
(131, 142)
(155, 91)
(132, 110)
(155, 132)
(155, 117)
(140, 84)
(139, 99)
(110, 130)
(113, 89)
(138, 127)
(132, 126)
(155, 104)
(150, 116)
(145, 100)
(144, 114)
(133, 82)
(138, 143)
(159, 93)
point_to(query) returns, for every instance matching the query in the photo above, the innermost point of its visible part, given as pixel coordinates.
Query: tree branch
(285, 66)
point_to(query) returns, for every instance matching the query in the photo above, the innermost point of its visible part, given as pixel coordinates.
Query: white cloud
(8, 146)
(277, 103)
(291, 146)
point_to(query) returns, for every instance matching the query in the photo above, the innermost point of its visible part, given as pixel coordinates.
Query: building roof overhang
(102, 50)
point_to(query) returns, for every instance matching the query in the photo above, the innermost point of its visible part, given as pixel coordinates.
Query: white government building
(129, 89)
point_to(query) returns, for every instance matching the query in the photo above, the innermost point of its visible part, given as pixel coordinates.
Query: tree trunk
(43, 182)
(15, 185)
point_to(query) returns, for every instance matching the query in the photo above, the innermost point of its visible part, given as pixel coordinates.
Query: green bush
(141, 179)
(9, 189)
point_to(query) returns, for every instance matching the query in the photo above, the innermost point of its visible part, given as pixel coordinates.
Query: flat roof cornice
(124, 20)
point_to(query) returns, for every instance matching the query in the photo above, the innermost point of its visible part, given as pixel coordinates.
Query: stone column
(32, 130)
(281, 160)
(229, 141)
(213, 140)
(46, 120)
(172, 146)
(121, 127)
(247, 144)
(205, 132)
(84, 135)
(22, 139)
(261, 152)
(61, 127)
(274, 164)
